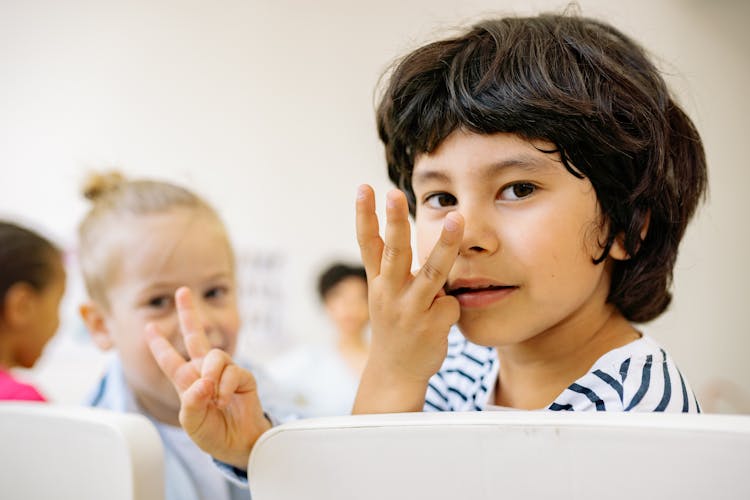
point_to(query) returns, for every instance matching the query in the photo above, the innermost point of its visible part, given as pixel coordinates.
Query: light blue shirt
(190, 473)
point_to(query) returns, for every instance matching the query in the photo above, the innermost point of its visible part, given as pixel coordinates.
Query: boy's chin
(477, 333)
(488, 331)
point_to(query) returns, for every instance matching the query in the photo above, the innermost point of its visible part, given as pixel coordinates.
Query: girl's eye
(440, 200)
(159, 302)
(517, 191)
(216, 292)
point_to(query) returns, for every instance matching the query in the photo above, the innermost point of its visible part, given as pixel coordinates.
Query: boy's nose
(480, 236)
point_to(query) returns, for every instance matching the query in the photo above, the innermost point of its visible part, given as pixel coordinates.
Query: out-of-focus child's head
(343, 290)
(140, 241)
(32, 283)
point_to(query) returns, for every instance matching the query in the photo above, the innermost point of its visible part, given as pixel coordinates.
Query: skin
(166, 251)
(492, 211)
(31, 318)
(346, 305)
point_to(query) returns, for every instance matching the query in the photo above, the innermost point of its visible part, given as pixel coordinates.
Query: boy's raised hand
(410, 315)
(219, 405)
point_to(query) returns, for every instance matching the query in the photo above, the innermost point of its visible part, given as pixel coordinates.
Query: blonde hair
(112, 197)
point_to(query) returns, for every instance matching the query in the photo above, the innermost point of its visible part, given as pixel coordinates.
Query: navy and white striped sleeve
(462, 384)
(655, 384)
(648, 383)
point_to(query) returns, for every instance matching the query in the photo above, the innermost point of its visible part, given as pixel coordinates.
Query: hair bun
(99, 184)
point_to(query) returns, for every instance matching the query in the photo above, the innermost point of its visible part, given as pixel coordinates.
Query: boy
(551, 177)
(547, 159)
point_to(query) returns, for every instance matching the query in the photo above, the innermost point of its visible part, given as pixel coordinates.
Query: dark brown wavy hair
(591, 91)
(337, 272)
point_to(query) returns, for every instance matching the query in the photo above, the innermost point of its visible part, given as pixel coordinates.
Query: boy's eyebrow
(529, 163)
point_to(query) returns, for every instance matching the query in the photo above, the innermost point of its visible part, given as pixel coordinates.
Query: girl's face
(158, 254)
(525, 266)
(45, 320)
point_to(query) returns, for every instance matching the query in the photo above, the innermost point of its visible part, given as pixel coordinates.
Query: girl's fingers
(219, 368)
(234, 380)
(193, 334)
(213, 365)
(431, 278)
(169, 360)
(396, 261)
(368, 235)
(195, 403)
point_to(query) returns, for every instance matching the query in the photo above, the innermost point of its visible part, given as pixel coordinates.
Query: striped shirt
(639, 376)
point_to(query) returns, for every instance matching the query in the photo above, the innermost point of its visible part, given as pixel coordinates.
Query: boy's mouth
(468, 289)
(476, 293)
(474, 285)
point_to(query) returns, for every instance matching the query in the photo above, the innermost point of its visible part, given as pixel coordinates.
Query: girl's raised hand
(410, 315)
(219, 405)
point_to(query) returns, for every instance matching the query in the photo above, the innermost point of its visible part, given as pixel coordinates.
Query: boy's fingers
(396, 262)
(368, 235)
(432, 276)
(448, 309)
(196, 341)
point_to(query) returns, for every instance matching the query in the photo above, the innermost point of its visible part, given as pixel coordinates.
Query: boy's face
(160, 253)
(531, 231)
(346, 304)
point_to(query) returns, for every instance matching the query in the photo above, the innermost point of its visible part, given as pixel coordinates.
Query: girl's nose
(211, 326)
(215, 337)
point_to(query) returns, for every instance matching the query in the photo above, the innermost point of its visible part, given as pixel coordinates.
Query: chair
(60, 452)
(504, 455)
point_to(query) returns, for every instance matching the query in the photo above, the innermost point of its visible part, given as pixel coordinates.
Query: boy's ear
(618, 251)
(18, 308)
(96, 324)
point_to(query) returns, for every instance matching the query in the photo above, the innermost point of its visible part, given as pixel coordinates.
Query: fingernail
(450, 224)
(361, 192)
(390, 199)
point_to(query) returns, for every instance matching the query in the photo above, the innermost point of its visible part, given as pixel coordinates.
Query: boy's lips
(478, 292)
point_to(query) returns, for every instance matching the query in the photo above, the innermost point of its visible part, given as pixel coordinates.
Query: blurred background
(266, 108)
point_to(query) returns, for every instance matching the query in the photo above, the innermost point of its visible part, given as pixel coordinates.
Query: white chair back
(505, 455)
(60, 452)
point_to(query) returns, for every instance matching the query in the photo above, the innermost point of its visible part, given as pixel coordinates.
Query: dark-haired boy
(551, 176)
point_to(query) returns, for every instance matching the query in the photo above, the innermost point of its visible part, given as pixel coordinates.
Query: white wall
(266, 108)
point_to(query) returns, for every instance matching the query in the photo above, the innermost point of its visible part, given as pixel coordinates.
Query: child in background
(343, 290)
(551, 176)
(32, 283)
(324, 375)
(139, 243)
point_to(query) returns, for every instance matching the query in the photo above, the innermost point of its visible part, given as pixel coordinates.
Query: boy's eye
(440, 200)
(517, 191)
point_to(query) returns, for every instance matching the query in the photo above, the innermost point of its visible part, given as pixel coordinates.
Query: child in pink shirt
(32, 283)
